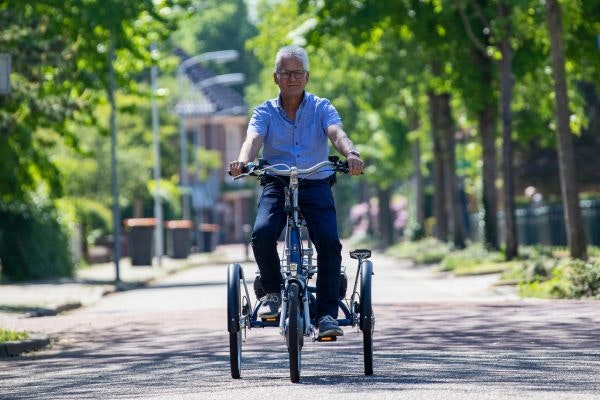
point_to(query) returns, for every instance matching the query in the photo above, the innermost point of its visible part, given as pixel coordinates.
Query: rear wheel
(367, 319)
(234, 311)
(294, 332)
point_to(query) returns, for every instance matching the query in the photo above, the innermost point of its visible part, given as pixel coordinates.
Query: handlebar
(254, 169)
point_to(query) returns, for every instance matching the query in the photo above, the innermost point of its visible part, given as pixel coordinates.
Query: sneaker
(329, 327)
(270, 306)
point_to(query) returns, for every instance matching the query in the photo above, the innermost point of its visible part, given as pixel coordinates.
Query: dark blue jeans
(316, 204)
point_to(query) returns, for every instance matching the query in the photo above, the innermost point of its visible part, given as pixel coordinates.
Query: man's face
(291, 77)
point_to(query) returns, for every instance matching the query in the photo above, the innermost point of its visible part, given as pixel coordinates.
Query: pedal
(270, 319)
(327, 339)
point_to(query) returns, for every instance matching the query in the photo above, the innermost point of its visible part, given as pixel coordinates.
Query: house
(214, 117)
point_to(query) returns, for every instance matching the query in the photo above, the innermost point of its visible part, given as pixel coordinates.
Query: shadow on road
(542, 346)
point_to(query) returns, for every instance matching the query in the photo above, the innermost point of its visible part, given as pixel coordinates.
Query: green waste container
(141, 239)
(178, 235)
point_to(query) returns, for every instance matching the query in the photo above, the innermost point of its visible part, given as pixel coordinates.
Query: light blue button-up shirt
(302, 142)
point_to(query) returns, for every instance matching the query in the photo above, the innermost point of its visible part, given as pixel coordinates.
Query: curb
(35, 342)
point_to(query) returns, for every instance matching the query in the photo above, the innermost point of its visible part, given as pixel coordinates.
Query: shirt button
(296, 143)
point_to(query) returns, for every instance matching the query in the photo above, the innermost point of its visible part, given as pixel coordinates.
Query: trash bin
(141, 239)
(208, 237)
(178, 238)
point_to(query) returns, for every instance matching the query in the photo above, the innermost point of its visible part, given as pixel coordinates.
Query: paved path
(436, 337)
(50, 297)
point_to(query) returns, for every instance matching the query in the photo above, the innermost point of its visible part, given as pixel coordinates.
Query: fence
(545, 224)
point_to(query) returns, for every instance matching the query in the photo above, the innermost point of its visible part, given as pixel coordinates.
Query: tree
(60, 74)
(219, 25)
(501, 37)
(568, 183)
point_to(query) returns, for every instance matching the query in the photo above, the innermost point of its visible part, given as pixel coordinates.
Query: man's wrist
(353, 152)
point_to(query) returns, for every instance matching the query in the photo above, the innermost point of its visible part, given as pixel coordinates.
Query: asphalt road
(436, 337)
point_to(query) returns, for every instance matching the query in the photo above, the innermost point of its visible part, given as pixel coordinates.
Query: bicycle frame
(297, 268)
(297, 261)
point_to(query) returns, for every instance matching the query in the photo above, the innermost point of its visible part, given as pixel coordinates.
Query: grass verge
(9, 336)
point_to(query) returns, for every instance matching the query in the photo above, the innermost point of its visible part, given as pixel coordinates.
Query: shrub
(470, 256)
(94, 217)
(33, 244)
(569, 279)
(584, 279)
(425, 251)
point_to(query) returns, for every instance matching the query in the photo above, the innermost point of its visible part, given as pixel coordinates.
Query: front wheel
(367, 318)
(294, 333)
(234, 312)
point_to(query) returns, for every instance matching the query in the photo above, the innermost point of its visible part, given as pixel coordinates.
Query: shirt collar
(278, 100)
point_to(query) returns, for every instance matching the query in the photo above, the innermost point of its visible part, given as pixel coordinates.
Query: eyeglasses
(298, 74)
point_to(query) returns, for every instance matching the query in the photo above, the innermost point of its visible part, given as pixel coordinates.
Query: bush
(32, 242)
(425, 251)
(472, 255)
(475, 260)
(584, 279)
(567, 280)
(94, 217)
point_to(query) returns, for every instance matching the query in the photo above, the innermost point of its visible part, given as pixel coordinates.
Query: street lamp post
(158, 211)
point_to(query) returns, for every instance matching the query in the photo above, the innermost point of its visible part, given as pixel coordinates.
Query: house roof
(215, 98)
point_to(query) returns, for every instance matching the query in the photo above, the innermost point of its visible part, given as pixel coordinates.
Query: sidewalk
(51, 297)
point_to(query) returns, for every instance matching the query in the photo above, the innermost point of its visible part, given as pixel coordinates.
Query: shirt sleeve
(330, 115)
(259, 122)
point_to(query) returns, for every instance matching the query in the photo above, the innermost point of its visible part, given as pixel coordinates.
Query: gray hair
(291, 51)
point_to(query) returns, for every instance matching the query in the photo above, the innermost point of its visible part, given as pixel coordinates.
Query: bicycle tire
(294, 331)
(234, 309)
(367, 318)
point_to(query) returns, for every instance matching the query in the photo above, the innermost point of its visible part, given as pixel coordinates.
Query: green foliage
(60, 73)
(211, 161)
(472, 259)
(219, 25)
(555, 278)
(32, 242)
(426, 251)
(8, 335)
(584, 279)
(476, 260)
(95, 217)
(170, 195)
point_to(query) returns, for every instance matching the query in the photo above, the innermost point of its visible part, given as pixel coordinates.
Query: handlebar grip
(246, 168)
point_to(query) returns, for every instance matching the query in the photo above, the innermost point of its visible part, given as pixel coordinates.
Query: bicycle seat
(361, 254)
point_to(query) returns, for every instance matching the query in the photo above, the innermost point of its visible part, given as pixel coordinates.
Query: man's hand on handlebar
(236, 168)
(355, 164)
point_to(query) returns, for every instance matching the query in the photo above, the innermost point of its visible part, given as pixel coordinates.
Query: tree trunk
(386, 220)
(487, 130)
(453, 208)
(439, 198)
(570, 196)
(138, 207)
(419, 192)
(512, 249)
